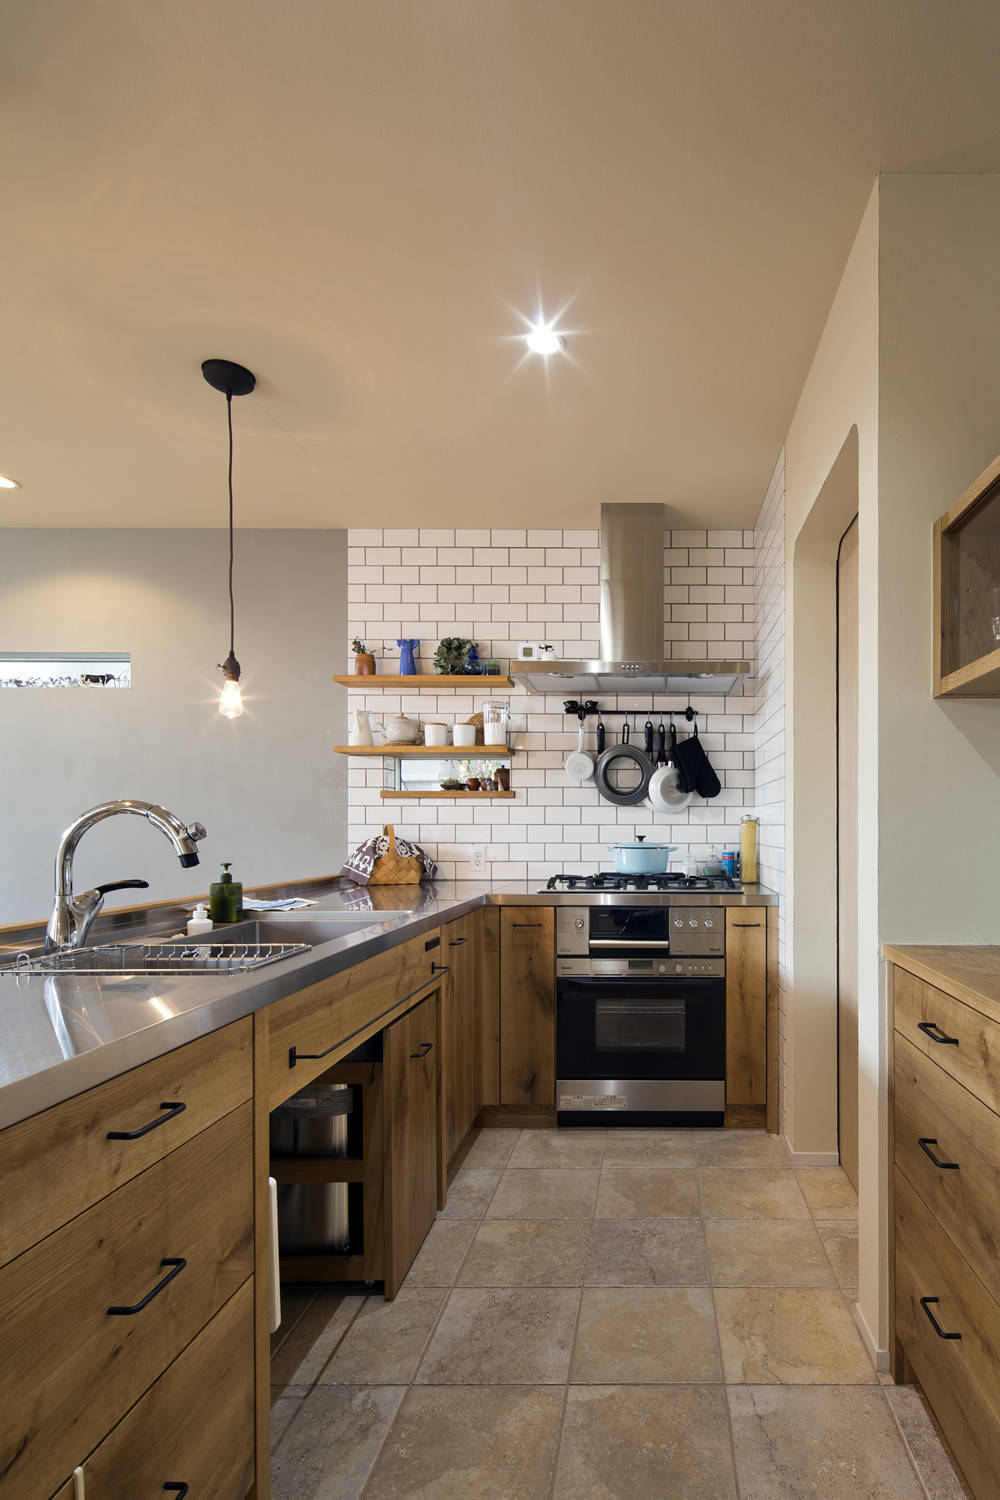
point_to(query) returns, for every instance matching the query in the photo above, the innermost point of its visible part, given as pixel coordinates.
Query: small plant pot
(364, 666)
(473, 783)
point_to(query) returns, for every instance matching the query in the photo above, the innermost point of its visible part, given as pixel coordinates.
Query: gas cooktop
(606, 880)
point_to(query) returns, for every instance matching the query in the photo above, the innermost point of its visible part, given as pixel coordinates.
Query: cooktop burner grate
(608, 880)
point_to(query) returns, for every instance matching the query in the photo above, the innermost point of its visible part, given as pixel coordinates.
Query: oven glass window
(631, 1025)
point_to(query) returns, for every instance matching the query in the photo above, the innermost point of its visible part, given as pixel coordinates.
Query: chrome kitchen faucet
(72, 915)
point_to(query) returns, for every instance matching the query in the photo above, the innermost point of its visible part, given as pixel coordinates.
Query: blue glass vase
(407, 664)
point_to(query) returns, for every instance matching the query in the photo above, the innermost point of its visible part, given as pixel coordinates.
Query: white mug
(435, 734)
(463, 734)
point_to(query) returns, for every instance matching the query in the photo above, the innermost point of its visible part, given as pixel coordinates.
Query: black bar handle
(294, 1055)
(172, 1109)
(178, 1264)
(925, 1143)
(440, 968)
(434, 942)
(925, 1304)
(425, 1047)
(526, 924)
(457, 942)
(177, 1487)
(746, 924)
(929, 1028)
(122, 885)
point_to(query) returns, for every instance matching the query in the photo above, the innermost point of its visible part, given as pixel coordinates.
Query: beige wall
(266, 785)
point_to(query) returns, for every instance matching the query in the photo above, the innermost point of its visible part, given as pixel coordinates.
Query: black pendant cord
(232, 602)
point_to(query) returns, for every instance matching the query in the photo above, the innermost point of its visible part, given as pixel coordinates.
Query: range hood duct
(631, 623)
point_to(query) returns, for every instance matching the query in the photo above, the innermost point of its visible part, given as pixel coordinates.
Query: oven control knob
(661, 968)
(678, 922)
(579, 923)
(678, 968)
(693, 922)
(709, 922)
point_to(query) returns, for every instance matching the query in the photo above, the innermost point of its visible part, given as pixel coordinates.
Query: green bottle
(225, 897)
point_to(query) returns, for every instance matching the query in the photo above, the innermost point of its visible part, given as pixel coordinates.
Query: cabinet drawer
(58, 1163)
(964, 1192)
(961, 1376)
(195, 1426)
(315, 1028)
(972, 1055)
(71, 1367)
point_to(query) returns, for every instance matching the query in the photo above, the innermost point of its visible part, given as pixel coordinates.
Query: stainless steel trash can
(313, 1216)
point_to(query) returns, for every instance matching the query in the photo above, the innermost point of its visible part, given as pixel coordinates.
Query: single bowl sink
(294, 927)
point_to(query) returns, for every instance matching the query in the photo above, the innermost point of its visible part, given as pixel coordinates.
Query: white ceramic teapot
(400, 730)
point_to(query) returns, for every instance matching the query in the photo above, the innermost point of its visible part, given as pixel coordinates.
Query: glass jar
(495, 716)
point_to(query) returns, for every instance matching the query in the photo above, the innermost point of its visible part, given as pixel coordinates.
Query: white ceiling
(359, 198)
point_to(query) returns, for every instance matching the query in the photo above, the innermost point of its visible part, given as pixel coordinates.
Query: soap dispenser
(225, 897)
(200, 922)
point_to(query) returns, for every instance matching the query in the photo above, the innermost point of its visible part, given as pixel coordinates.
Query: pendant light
(232, 380)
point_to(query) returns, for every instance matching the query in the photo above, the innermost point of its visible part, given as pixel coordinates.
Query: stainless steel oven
(640, 1015)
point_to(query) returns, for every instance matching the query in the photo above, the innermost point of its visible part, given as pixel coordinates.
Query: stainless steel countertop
(63, 1033)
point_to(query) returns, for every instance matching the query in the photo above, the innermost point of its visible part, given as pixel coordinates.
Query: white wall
(939, 427)
(500, 587)
(265, 785)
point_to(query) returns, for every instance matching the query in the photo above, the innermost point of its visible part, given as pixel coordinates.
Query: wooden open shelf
(372, 682)
(429, 752)
(966, 571)
(456, 795)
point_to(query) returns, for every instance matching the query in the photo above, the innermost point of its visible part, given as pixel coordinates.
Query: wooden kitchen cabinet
(462, 1025)
(746, 1015)
(410, 1051)
(945, 1094)
(194, 1426)
(527, 1007)
(967, 592)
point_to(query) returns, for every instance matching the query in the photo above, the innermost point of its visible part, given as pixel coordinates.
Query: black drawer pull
(746, 924)
(925, 1143)
(294, 1055)
(178, 1488)
(178, 1264)
(526, 924)
(425, 1047)
(133, 1135)
(929, 1028)
(440, 969)
(434, 942)
(457, 942)
(925, 1304)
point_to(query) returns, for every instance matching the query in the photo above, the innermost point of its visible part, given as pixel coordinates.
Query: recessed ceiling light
(9, 484)
(544, 340)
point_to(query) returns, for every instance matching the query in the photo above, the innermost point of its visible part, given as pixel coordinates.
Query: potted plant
(451, 659)
(364, 661)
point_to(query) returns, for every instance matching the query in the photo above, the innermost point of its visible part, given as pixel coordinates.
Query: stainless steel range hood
(631, 658)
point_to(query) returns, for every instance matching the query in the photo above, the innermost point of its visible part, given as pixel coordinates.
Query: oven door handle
(644, 943)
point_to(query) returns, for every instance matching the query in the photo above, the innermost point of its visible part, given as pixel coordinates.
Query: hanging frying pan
(623, 773)
(666, 789)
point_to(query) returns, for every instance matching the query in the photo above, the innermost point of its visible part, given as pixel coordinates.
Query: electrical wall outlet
(477, 858)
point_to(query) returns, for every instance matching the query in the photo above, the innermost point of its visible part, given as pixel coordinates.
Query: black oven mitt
(697, 773)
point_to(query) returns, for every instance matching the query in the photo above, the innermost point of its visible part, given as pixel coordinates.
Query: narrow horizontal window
(65, 669)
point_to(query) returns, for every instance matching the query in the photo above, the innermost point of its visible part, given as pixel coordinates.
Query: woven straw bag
(394, 868)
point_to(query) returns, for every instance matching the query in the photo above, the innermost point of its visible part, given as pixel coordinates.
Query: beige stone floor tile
(739, 1148)
(527, 1252)
(545, 1193)
(285, 1405)
(507, 1336)
(767, 1252)
(559, 1148)
(314, 1338)
(828, 1192)
(828, 1442)
(469, 1192)
(647, 1193)
(453, 1442)
(926, 1448)
(441, 1253)
(645, 1443)
(840, 1240)
(328, 1449)
(645, 1336)
(751, 1193)
(647, 1252)
(666, 1148)
(491, 1148)
(384, 1343)
(789, 1337)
